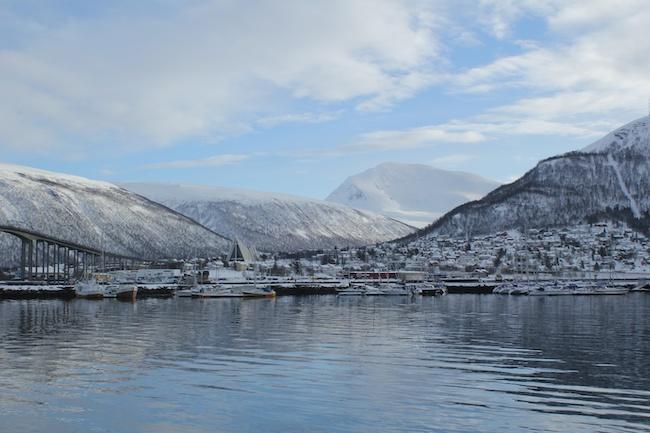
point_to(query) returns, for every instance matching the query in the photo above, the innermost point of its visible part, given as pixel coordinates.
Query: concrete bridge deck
(44, 257)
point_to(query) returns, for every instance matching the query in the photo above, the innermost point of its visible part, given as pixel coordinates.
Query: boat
(353, 290)
(373, 291)
(89, 289)
(244, 291)
(191, 292)
(257, 292)
(393, 289)
(552, 289)
(426, 289)
(124, 292)
(575, 288)
(600, 289)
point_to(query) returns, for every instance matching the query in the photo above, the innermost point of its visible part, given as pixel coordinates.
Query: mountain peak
(416, 194)
(632, 136)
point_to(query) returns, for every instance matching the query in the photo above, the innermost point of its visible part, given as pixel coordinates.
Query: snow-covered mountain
(98, 214)
(271, 221)
(414, 193)
(610, 179)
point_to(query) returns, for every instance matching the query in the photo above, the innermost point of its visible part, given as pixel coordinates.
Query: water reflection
(455, 364)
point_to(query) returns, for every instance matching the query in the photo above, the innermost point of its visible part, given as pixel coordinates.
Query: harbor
(178, 285)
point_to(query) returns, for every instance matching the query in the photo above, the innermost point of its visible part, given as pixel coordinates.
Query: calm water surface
(461, 363)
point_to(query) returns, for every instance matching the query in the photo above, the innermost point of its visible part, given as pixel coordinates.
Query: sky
(295, 96)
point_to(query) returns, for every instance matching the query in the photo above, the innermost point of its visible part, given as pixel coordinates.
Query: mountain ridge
(99, 214)
(609, 178)
(273, 221)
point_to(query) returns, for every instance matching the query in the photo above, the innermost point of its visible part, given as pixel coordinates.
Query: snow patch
(633, 205)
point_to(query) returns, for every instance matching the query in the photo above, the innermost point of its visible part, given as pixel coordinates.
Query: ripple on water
(455, 364)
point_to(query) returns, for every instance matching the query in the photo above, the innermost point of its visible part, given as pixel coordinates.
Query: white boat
(185, 293)
(89, 289)
(353, 290)
(551, 290)
(386, 289)
(575, 288)
(600, 289)
(425, 289)
(257, 292)
(244, 291)
(373, 291)
(350, 292)
(93, 289)
(393, 289)
(525, 288)
(191, 292)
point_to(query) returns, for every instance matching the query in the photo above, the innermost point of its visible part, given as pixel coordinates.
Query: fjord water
(460, 363)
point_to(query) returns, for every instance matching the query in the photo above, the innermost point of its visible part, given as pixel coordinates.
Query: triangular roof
(241, 253)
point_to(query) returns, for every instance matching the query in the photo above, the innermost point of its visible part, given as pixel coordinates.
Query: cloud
(596, 67)
(411, 139)
(498, 123)
(308, 117)
(152, 74)
(498, 16)
(212, 161)
(471, 130)
(113, 79)
(453, 159)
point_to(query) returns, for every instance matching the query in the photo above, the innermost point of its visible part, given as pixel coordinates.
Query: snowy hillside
(609, 179)
(632, 137)
(98, 214)
(273, 222)
(414, 193)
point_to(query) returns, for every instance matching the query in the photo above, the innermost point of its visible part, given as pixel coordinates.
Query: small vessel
(353, 290)
(185, 293)
(575, 288)
(600, 289)
(100, 286)
(244, 291)
(393, 289)
(373, 291)
(257, 292)
(90, 289)
(125, 292)
(426, 289)
(217, 292)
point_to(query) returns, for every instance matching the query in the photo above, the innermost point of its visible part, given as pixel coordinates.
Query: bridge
(47, 258)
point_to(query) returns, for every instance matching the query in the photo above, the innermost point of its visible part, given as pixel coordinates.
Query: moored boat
(257, 292)
(89, 289)
(125, 292)
(353, 290)
(425, 289)
(246, 291)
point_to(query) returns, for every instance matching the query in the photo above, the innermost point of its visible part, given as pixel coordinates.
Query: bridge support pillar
(46, 256)
(30, 260)
(43, 259)
(23, 259)
(66, 262)
(75, 258)
(57, 263)
(36, 260)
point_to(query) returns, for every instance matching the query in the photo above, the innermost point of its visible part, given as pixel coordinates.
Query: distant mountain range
(98, 214)
(610, 179)
(271, 221)
(416, 194)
